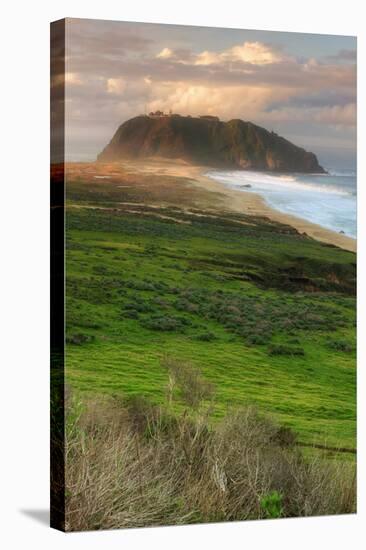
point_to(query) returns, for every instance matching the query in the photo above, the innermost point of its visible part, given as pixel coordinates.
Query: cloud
(165, 53)
(310, 99)
(336, 115)
(73, 79)
(344, 55)
(245, 54)
(225, 101)
(116, 71)
(88, 36)
(343, 115)
(254, 53)
(116, 85)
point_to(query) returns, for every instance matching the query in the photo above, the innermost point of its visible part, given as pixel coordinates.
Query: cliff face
(233, 144)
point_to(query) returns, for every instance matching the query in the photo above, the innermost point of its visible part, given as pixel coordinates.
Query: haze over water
(329, 200)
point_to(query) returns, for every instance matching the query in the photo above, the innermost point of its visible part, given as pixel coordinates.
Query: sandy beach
(238, 201)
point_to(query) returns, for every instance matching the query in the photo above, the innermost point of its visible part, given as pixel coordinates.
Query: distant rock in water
(208, 141)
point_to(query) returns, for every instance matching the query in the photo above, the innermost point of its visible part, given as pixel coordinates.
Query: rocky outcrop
(208, 141)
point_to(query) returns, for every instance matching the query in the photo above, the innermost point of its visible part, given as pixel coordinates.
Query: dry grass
(133, 464)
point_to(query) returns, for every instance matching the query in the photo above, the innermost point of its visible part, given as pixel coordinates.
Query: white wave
(328, 204)
(264, 181)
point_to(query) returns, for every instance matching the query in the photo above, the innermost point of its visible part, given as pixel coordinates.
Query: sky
(302, 86)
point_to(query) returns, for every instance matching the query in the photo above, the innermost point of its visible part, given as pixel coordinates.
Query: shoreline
(255, 204)
(250, 202)
(234, 200)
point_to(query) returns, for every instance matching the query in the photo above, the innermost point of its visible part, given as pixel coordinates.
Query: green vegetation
(266, 314)
(271, 505)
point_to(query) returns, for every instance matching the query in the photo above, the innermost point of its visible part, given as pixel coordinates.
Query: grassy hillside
(268, 315)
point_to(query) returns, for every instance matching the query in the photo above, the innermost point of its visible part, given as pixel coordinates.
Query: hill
(207, 140)
(157, 268)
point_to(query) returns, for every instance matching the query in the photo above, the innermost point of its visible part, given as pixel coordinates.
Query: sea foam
(328, 200)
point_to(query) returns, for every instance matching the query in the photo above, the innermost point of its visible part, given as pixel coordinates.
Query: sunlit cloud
(116, 85)
(224, 101)
(255, 53)
(117, 71)
(165, 53)
(73, 79)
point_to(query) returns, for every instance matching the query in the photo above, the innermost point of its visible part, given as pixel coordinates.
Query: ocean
(329, 200)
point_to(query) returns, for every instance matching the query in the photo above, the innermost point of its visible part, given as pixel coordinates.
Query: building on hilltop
(158, 114)
(161, 114)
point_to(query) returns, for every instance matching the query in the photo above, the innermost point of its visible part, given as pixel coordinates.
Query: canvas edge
(57, 265)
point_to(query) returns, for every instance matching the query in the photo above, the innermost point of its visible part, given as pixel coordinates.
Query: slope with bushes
(266, 313)
(134, 464)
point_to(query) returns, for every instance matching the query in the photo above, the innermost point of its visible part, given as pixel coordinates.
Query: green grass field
(268, 315)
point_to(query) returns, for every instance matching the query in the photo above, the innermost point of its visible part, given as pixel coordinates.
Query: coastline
(244, 202)
(253, 203)
(225, 198)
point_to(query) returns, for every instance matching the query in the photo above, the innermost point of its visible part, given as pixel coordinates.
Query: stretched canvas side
(57, 486)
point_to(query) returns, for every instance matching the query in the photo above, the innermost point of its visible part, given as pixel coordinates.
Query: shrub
(206, 337)
(193, 388)
(257, 338)
(282, 349)
(146, 418)
(185, 305)
(160, 302)
(141, 285)
(341, 345)
(79, 338)
(285, 437)
(139, 305)
(127, 466)
(271, 505)
(166, 323)
(130, 314)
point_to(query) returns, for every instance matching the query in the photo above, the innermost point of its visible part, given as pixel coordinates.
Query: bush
(79, 339)
(185, 305)
(166, 323)
(130, 314)
(206, 337)
(271, 505)
(258, 318)
(282, 349)
(139, 305)
(193, 388)
(141, 285)
(285, 437)
(257, 338)
(188, 471)
(147, 418)
(161, 302)
(341, 345)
